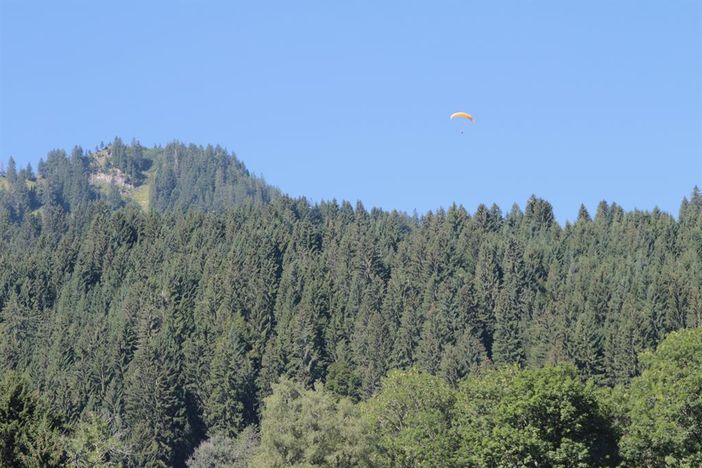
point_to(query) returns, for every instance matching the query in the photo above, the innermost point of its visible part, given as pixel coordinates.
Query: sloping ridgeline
(175, 177)
(208, 179)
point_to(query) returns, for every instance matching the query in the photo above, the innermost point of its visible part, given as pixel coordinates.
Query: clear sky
(574, 101)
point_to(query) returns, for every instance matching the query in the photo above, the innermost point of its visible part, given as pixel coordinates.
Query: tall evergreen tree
(156, 408)
(231, 403)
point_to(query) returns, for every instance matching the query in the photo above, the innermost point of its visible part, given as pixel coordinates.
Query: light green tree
(301, 427)
(410, 419)
(92, 444)
(222, 450)
(665, 405)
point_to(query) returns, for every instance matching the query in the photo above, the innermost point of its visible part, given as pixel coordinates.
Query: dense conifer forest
(163, 306)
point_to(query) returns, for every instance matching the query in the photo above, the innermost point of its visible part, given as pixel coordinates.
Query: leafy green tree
(221, 450)
(544, 417)
(92, 444)
(665, 405)
(302, 427)
(410, 420)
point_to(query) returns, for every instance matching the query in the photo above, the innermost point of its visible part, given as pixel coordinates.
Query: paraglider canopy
(462, 114)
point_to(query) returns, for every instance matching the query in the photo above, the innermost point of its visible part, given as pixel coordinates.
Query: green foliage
(410, 420)
(230, 403)
(221, 450)
(342, 379)
(177, 177)
(543, 417)
(130, 160)
(156, 403)
(464, 357)
(302, 427)
(664, 405)
(175, 323)
(196, 178)
(92, 444)
(508, 346)
(29, 434)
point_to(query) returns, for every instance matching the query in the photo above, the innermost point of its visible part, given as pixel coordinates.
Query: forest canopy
(226, 321)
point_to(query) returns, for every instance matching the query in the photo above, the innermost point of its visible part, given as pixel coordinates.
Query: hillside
(229, 311)
(175, 177)
(162, 331)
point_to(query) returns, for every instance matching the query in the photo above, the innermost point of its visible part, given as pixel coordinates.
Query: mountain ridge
(177, 176)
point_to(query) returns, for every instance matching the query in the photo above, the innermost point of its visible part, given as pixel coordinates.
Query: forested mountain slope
(174, 324)
(174, 177)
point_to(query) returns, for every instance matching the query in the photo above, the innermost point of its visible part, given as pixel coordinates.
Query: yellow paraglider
(462, 114)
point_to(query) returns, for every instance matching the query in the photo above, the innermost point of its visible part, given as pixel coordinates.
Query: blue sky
(574, 101)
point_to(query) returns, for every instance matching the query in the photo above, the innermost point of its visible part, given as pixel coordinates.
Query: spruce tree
(230, 405)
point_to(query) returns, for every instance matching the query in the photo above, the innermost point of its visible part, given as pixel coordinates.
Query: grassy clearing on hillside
(141, 195)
